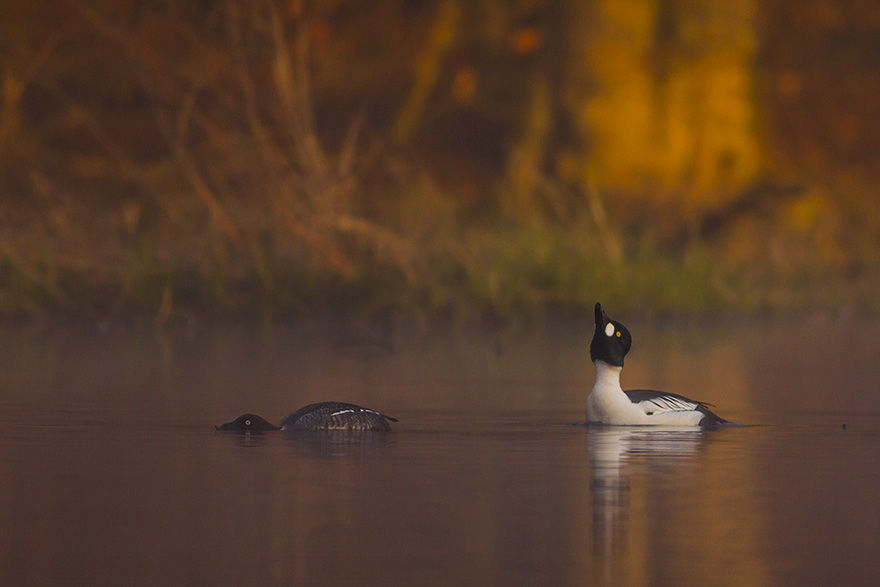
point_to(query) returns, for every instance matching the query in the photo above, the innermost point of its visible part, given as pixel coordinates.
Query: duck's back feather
(336, 416)
(657, 402)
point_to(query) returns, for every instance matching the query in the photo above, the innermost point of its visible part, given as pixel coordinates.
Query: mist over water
(111, 471)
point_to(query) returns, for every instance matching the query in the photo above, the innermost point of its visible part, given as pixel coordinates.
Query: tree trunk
(661, 95)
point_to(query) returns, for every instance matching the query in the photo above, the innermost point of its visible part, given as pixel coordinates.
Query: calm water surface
(111, 471)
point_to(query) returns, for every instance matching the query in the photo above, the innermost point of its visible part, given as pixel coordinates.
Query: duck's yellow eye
(618, 334)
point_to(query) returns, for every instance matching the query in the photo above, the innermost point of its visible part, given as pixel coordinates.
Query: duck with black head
(319, 416)
(608, 403)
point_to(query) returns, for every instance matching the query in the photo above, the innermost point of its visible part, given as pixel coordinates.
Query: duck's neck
(607, 403)
(607, 378)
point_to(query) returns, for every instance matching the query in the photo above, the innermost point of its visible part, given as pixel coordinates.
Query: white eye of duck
(247, 422)
(609, 329)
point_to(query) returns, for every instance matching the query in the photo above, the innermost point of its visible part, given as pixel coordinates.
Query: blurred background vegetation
(445, 157)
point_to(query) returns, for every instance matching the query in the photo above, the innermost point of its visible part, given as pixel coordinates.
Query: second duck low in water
(608, 403)
(319, 416)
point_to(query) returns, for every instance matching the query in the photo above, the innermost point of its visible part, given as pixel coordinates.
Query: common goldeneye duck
(319, 416)
(609, 404)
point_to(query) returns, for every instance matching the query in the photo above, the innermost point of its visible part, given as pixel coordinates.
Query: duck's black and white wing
(336, 416)
(658, 402)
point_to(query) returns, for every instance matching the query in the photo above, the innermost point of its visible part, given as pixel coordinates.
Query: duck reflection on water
(617, 455)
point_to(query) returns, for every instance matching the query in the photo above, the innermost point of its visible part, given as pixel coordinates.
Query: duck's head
(248, 423)
(611, 340)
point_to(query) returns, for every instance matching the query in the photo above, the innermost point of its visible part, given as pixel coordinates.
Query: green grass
(466, 272)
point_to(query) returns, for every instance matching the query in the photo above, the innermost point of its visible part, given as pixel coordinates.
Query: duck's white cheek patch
(609, 329)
